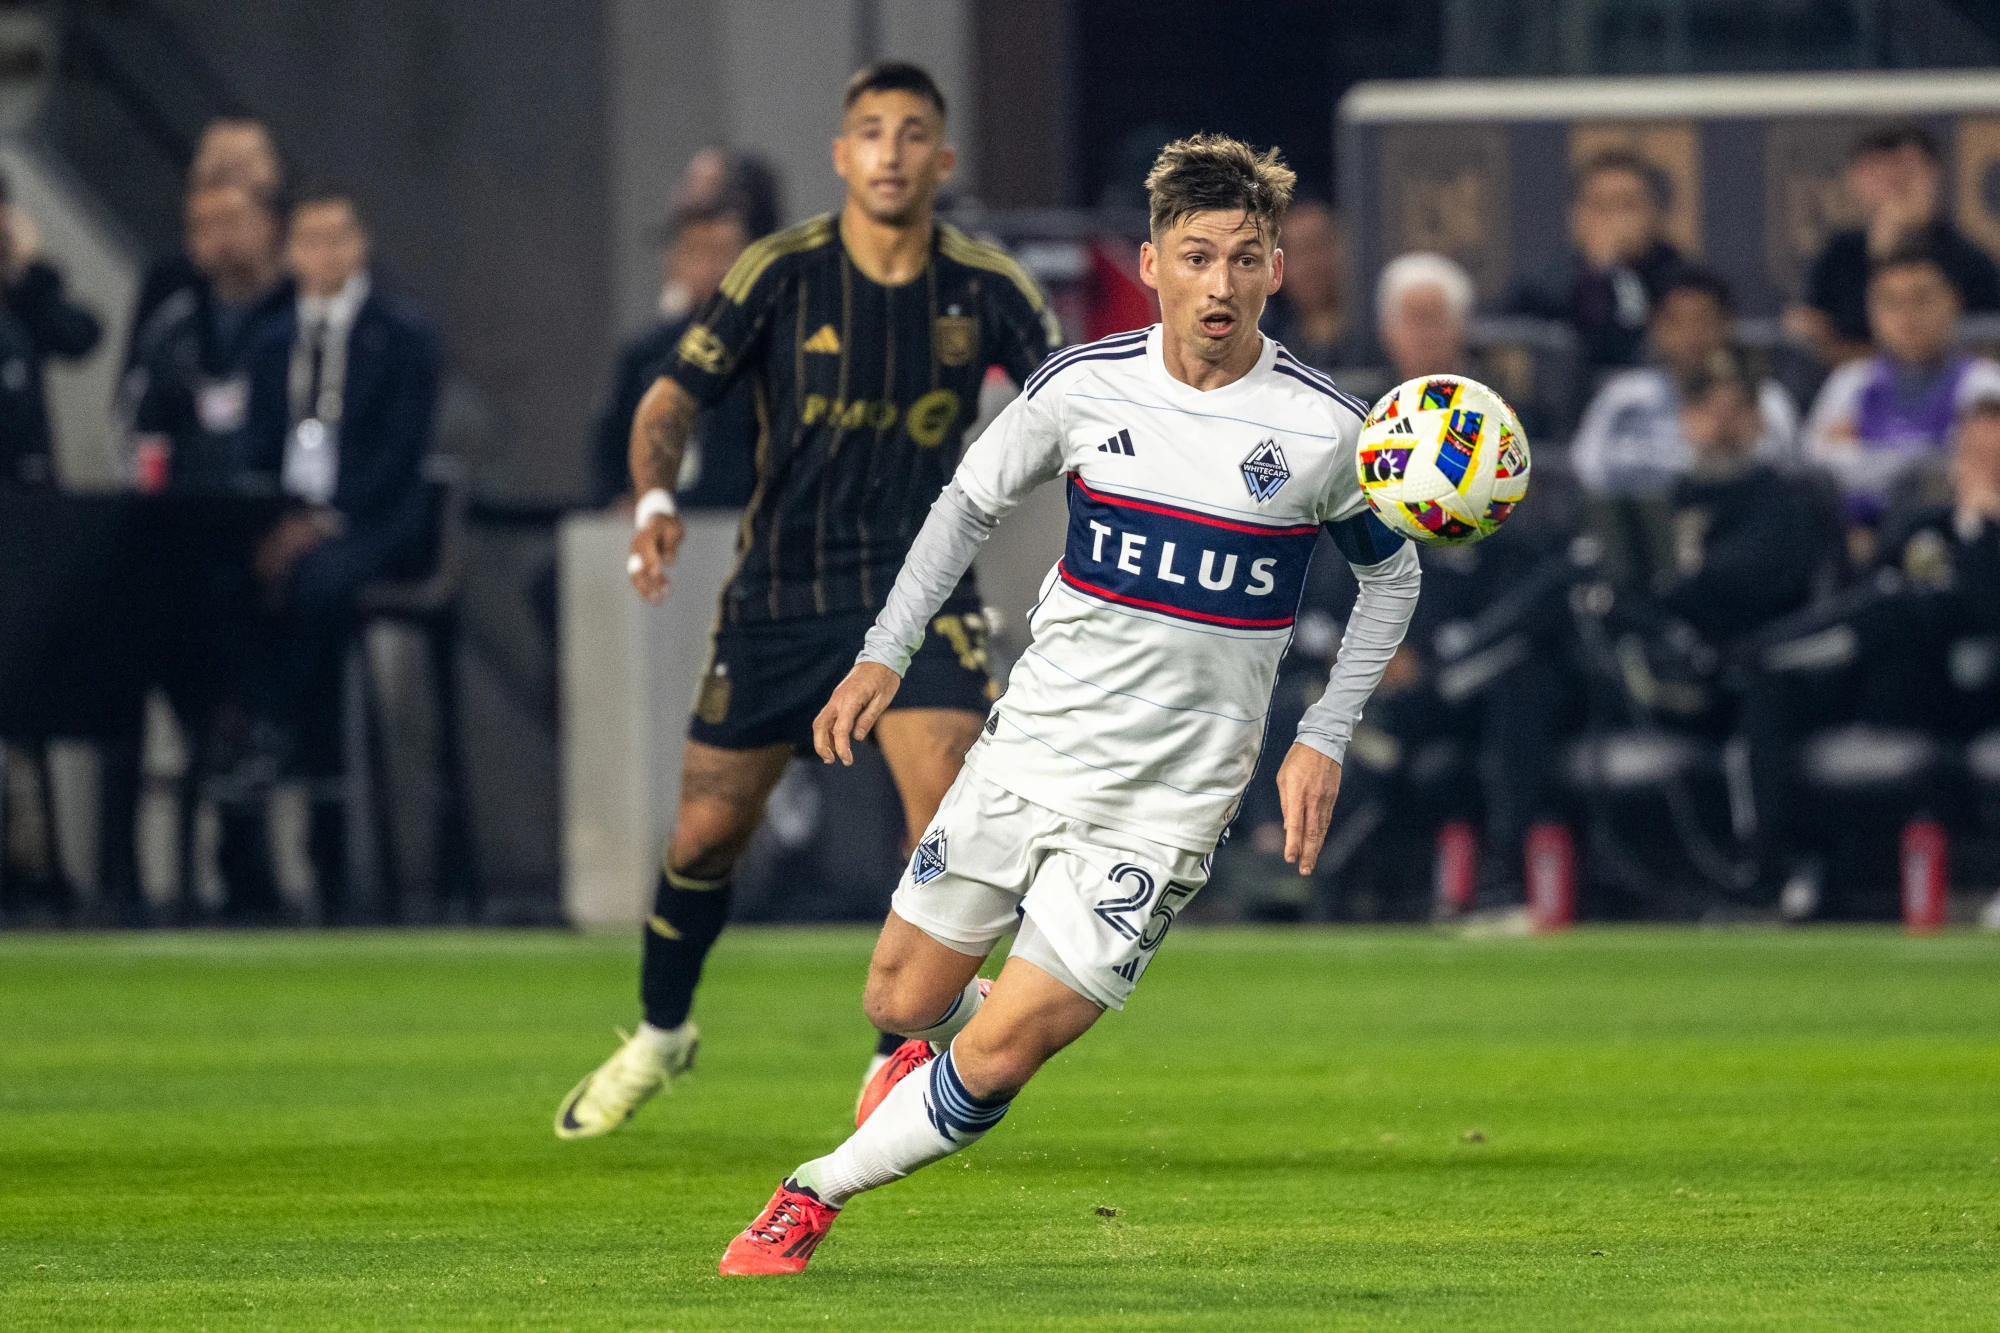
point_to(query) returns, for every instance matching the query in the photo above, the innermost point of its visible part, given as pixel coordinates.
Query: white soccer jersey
(1140, 703)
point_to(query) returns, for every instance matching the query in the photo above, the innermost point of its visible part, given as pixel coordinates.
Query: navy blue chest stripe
(1346, 400)
(1319, 379)
(1126, 355)
(1069, 354)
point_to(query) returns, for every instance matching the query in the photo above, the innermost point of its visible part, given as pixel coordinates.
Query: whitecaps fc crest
(928, 863)
(1264, 471)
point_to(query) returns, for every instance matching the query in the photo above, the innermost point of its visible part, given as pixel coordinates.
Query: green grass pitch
(1617, 1129)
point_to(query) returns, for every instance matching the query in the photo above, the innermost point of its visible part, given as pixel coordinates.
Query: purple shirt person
(1877, 418)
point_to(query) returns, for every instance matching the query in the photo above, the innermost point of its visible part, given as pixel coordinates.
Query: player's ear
(1149, 259)
(840, 156)
(1277, 269)
(947, 159)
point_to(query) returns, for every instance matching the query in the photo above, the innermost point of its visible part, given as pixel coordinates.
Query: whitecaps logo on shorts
(928, 863)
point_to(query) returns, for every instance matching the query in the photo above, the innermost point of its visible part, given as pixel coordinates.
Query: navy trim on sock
(954, 1112)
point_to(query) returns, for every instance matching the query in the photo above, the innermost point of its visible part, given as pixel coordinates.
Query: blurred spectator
(36, 322)
(1309, 313)
(1892, 658)
(1423, 303)
(702, 241)
(343, 388)
(186, 391)
(1876, 418)
(1622, 262)
(1748, 541)
(1896, 177)
(715, 176)
(1630, 440)
(232, 151)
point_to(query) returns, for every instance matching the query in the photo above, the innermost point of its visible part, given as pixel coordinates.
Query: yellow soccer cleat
(612, 1092)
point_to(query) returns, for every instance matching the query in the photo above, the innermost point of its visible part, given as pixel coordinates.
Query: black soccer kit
(863, 395)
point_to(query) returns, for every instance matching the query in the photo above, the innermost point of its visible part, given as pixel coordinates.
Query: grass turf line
(1680, 1131)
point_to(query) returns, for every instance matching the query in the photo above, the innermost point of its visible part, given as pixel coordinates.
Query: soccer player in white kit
(1201, 461)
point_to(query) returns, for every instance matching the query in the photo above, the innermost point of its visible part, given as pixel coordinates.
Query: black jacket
(387, 406)
(183, 353)
(1747, 550)
(36, 322)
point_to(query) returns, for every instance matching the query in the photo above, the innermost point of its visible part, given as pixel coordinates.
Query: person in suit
(343, 389)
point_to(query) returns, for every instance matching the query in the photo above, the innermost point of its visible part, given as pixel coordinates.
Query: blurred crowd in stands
(1747, 627)
(1741, 640)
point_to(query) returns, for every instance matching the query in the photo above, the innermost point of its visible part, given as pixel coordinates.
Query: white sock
(666, 1041)
(925, 1118)
(940, 1033)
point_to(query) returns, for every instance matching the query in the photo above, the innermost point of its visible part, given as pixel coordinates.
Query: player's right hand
(852, 711)
(654, 547)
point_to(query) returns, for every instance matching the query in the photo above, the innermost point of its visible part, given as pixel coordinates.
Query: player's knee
(892, 1004)
(707, 842)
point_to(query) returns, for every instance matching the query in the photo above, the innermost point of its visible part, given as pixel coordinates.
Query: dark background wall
(1268, 73)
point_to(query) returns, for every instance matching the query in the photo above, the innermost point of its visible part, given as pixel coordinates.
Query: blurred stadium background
(1609, 712)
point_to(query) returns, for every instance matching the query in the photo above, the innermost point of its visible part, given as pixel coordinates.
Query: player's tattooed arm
(660, 430)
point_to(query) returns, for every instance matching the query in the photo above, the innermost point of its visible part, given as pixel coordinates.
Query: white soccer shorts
(1092, 904)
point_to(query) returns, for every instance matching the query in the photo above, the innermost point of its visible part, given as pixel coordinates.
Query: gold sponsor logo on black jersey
(700, 348)
(874, 413)
(931, 417)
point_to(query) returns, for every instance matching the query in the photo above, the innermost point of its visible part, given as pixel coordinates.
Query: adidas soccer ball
(1443, 460)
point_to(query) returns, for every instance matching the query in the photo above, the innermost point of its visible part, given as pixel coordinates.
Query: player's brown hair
(893, 76)
(1213, 172)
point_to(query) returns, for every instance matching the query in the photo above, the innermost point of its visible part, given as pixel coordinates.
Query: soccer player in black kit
(865, 336)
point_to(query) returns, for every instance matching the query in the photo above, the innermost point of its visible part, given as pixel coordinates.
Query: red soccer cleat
(911, 1056)
(782, 1238)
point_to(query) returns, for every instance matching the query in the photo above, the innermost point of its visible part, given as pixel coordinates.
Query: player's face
(1213, 271)
(892, 154)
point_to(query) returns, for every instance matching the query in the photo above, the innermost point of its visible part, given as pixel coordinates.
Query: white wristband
(651, 505)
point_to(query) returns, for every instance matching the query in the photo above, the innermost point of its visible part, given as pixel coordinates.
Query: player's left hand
(1308, 782)
(852, 711)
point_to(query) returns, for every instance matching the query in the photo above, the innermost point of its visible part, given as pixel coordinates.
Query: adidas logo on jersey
(826, 340)
(1121, 443)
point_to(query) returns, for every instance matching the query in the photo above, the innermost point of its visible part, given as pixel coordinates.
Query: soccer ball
(1443, 460)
